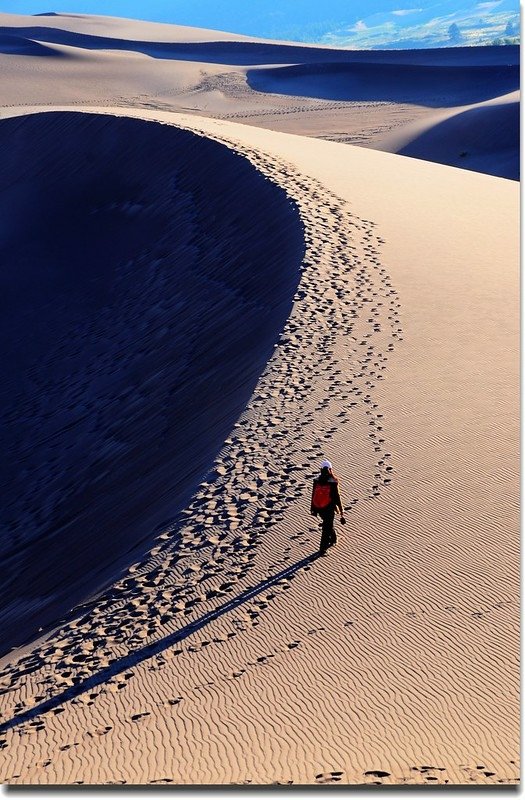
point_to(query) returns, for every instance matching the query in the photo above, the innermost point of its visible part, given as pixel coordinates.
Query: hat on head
(327, 464)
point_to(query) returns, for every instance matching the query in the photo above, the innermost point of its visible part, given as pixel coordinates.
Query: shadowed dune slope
(484, 139)
(146, 275)
(20, 46)
(402, 83)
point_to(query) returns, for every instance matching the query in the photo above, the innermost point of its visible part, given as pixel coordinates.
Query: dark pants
(328, 536)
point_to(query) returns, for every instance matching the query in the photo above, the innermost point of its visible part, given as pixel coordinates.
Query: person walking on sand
(325, 501)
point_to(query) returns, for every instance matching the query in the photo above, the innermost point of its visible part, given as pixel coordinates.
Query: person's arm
(313, 512)
(338, 503)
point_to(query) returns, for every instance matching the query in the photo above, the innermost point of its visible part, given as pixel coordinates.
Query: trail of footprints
(304, 395)
(234, 86)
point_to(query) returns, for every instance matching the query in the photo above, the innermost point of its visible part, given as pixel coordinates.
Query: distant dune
(400, 83)
(142, 304)
(198, 44)
(483, 139)
(369, 98)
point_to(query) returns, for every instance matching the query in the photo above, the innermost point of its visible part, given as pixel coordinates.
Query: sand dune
(352, 668)
(141, 309)
(118, 27)
(115, 33)
(198, 308)
(481, 138)
(402, 83)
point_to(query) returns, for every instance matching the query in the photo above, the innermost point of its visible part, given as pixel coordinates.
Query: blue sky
(360, 23)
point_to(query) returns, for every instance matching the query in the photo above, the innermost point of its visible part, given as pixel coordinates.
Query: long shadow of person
(135, 657)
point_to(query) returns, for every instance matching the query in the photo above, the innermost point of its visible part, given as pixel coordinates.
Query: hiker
(325, 501)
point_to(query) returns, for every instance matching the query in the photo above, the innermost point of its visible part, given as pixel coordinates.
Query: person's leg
(333, 535)
(328, 528)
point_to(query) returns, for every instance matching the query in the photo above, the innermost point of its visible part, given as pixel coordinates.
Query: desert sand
(199, 310)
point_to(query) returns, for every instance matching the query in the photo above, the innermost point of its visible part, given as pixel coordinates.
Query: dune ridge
(244, 495)
(142, 303)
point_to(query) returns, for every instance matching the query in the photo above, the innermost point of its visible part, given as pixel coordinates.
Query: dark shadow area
(244, 53)
(135, 658)
(147, 273)
(483, 139)
(19, 46)
(430, 86)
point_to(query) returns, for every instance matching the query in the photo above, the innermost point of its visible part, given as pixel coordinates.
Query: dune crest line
(209, 552)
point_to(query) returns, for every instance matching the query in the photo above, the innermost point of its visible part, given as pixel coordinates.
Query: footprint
(136, 717)
(264, 659)
(329, 777)
(99, 731)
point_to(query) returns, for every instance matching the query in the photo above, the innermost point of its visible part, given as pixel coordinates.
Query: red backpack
(322, 496)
